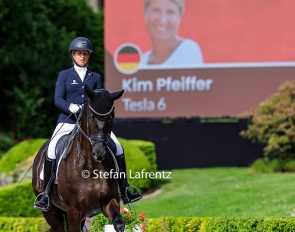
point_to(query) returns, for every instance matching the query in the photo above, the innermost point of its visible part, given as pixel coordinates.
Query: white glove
(74, 108)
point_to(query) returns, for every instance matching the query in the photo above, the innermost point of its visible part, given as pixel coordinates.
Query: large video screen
(187, 58)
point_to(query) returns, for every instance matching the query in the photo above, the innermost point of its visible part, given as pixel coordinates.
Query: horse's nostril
(99, 154)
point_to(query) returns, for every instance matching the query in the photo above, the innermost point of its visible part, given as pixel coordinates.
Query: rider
(70, 97)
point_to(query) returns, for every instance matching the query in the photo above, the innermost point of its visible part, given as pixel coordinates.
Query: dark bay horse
(76, 197)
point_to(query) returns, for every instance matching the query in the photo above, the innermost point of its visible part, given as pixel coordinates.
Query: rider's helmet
(81, 43)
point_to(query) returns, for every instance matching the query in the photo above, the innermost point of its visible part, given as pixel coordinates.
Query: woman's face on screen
(162, 18)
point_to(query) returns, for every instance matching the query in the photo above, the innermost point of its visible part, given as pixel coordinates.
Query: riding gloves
(74, 108)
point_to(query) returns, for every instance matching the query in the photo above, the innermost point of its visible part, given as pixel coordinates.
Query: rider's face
(81, 57)
(162, 18)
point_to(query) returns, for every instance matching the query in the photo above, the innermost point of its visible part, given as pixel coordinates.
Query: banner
(189, 58)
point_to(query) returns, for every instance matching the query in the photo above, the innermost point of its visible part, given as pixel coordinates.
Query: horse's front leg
(74, 220)
(55, 219)
(112, 211)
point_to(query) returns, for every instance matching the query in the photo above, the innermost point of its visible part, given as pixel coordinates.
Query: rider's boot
(126, 195)
(45, 202)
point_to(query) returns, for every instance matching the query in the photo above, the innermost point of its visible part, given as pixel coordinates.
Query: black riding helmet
(80, 43)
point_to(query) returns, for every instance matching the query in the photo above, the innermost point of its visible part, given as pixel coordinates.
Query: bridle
(99, 114)
(94, 138)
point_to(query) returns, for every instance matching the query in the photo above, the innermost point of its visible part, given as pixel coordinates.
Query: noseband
(98, 138)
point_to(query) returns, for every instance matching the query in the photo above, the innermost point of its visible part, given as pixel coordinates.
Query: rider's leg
(49, 165)
(126, 195)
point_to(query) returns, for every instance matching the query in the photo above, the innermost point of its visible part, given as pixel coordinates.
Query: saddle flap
(60, 146)
(111, 144)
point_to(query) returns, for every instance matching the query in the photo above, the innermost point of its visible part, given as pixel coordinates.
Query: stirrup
(45, 194)
(128, 200)
(38, 198)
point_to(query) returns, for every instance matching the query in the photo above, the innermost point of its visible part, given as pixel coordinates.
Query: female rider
(70, 97)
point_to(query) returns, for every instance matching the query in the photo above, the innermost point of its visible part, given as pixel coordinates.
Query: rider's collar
(80, 69)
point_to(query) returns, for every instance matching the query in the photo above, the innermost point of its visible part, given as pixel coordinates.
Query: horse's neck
(83, 146)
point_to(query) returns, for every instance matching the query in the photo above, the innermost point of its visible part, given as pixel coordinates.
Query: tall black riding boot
(126, 195)
(49, 177)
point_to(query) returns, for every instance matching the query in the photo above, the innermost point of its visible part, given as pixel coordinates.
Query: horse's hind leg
(112, 211)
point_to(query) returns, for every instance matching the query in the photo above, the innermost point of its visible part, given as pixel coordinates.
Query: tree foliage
(273, 124)
(35, 36)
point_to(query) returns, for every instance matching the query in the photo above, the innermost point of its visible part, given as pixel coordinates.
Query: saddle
(65, 143)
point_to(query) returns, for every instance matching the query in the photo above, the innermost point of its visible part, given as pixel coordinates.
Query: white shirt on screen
(187, 53)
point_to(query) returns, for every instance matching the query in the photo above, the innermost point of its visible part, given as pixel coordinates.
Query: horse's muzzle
(99, 151)
(99, 142)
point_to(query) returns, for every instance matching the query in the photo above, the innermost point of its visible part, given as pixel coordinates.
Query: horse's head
(100, 115)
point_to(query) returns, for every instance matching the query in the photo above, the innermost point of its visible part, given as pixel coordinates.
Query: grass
(216, 192)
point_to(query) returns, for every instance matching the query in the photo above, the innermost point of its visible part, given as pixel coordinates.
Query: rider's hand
(74, 108)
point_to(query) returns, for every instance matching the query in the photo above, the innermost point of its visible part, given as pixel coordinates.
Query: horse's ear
(90, 93)
(116, 95)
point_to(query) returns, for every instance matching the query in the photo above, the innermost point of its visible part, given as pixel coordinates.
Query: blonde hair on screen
(179, 3)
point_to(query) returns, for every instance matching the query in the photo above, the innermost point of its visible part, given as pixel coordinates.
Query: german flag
(128, 59)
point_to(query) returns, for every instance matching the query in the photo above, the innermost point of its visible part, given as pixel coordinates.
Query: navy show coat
(70, 89)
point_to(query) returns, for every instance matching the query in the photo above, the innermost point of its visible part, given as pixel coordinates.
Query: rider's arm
(60, 93)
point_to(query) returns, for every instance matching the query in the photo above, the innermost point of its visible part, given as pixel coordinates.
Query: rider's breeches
(60, 130)
(118, 145)
(66, 128)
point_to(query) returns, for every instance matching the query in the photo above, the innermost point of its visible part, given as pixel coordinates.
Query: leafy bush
(35, 38)
(264, 165)
(273, 124)
(261, 166)
(131, 220)
(290, 166)
(98, 222)
(6, 142)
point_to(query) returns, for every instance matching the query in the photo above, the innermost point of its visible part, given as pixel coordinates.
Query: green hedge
(140, 155)
(148, 148)
(18, 153)
(23, 224)
(181, 224)
(223, 224)
(18, 202)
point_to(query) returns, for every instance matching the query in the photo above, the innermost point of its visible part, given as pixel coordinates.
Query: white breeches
(66, 128)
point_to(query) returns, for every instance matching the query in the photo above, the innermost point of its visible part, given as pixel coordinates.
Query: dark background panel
(191, 144)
